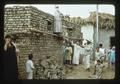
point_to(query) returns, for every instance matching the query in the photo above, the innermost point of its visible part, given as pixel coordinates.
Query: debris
(49, 69)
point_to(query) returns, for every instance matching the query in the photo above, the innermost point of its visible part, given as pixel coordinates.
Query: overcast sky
(73, 10)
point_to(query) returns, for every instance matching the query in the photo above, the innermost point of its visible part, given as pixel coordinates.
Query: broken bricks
(49, 70)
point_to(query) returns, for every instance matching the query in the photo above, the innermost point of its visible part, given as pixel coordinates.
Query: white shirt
(102, 51)
(87, 50)
(29, 66)
(57, 21)
(97, 55)
(76, 54)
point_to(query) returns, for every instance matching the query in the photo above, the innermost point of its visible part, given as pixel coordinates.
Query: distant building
(106, 28)
(88, 32)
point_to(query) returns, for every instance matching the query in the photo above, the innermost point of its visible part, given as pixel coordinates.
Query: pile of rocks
(49, 69)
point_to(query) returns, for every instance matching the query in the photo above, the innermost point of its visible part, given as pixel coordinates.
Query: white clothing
(102, 52)
(87, 50)
(76, 55)
(30, 75)
(87, 56)
(87, 61)
(82, 51)
(29, 69)
(97, 55)
(57, 22)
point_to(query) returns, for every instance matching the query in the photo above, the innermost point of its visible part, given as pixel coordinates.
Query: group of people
(101, 56)
(106, 55)
(73, 53)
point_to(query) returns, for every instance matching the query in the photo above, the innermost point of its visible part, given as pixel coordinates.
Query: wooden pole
(97, 26)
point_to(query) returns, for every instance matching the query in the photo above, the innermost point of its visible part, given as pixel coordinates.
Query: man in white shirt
(102, 52)
(76, 55)
(57, 21)
(87, 57)
(29, 67)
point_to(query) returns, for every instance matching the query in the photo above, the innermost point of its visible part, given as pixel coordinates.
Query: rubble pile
(49, 69)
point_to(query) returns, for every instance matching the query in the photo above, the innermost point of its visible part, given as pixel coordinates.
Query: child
(29, 67)
(97, 55)
(98, 70)
(69, 54)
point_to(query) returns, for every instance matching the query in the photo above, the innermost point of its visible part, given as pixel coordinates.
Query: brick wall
(19, 21)
(40, 45)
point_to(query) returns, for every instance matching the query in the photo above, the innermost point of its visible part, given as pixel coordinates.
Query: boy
(98, 70)
(69, 54)
(29, 67)
(102, 52)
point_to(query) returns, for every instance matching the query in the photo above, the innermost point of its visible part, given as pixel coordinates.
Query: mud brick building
(33, 33)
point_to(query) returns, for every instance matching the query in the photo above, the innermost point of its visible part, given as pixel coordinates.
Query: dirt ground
(78, 72)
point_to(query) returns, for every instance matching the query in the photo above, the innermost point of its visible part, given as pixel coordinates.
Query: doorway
(112, 40)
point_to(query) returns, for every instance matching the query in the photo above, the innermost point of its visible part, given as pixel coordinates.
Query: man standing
(112, 58)
(108, 55)
(57, 20)
(76, 55)
(87, 57)
(102, 52)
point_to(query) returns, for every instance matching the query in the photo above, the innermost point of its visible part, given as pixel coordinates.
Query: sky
(77, 10)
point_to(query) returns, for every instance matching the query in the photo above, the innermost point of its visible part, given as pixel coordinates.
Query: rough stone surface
(49, 69)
